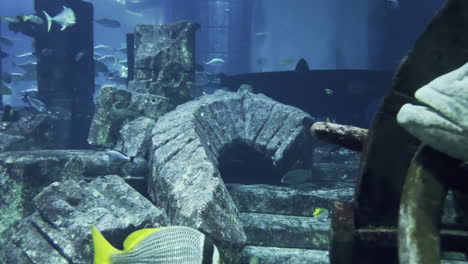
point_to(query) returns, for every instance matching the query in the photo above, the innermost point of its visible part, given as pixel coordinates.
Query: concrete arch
(186, 145)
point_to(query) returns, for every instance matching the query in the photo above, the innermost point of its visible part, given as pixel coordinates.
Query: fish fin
(103, 250)
(134, 238)
(49, 20)
(63, 27)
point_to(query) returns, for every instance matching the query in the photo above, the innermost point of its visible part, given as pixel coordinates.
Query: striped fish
(165, 245)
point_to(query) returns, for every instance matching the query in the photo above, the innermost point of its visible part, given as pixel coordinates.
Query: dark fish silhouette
(110, 23)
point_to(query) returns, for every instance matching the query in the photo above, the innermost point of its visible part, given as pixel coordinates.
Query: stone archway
(186, 147)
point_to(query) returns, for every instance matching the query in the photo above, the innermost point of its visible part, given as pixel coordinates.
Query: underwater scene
(233, 131)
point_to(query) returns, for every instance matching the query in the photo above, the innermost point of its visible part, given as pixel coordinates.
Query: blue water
(259, 36)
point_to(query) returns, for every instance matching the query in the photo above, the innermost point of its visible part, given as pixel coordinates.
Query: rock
(140, 86)
(137, 168)
(23, 174)
(10, 142)
(268, 199)
(208, 82)
(273, 255)
(350, 137)
(32, 132)
(15, 202)
(50, 164)
(59, 230)
(164, 60)
(270, 230)
(74, 169)
(116, 107)
(135, 137)
(189, 141)
(443, 123)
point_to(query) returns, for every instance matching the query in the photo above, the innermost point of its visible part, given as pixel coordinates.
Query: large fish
(66, 18)
(442, 121)
(165, 245)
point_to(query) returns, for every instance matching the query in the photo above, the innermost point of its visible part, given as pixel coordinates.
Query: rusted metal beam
(342, 231)
(451, 239)
(421, 207)
(349, 245)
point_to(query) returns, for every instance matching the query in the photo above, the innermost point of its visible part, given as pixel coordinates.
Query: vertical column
(240, 24)
(130, 57)
(65, 73)
(258, 25)
(177, 10)
(377, 25)
(1, 69)
(214, 34)
(351, 35)
(162, 69)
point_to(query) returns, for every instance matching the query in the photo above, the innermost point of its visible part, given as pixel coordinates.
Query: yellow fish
(318, 211)
(287, 62)
(168, 245)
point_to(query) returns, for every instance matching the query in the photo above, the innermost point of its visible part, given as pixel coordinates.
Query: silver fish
(116, 158)
(215, 61)
(66, 18)
(79, 56)
(27, 66)
(297, 176)
(109, 59)
(33, 19)
(100, 46)
(37, 104)
(123, 50)
(11, 19)
(29, 54)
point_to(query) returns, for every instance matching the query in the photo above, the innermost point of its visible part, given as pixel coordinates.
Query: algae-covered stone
(188, 142)
(274, 255)
(165, 60)
(23, 174)
(271, 230)
(116, 107)
(59, 231)
(34, 131)
(135, 137)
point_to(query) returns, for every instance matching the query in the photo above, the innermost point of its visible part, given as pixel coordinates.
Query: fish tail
(103, 250)
(49, 20)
